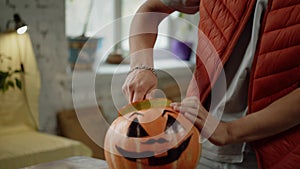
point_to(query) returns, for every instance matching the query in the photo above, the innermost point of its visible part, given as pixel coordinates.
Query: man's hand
(208, 126)
(139, 84)
(279, 116)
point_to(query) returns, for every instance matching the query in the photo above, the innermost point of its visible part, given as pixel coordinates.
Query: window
(90, 13)
(93, 15)
(129, 7)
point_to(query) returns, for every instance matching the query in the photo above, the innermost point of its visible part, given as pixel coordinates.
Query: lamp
(20, 25)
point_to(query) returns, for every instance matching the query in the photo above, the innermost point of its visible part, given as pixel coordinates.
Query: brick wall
(46, 20)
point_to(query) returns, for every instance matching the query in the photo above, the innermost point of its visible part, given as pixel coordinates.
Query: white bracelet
(144, 68)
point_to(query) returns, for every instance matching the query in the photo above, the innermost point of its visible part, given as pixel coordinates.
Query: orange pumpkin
(151, 135)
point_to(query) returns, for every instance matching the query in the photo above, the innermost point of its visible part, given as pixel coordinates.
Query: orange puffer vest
(275, 69)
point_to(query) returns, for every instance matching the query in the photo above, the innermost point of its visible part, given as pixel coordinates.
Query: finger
(192, 98)
(175, 104)
(138, 96)
(131, 97)
(176, 107)
(128, 88)
(150, 94)
(190, 110)
(198, 123)
(125, 92)
(190, 102)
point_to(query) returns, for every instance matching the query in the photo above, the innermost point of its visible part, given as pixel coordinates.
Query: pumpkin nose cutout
(173, 126)
(151, 115)
(136, 130)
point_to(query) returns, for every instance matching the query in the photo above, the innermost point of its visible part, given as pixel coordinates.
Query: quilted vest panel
(226, 20)
(275, 73)
(276, 67)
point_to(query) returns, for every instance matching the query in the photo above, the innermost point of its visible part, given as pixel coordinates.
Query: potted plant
(7, 79)
(182, 45)
(82, 48)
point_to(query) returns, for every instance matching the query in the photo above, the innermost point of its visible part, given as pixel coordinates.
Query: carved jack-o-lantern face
(151, 135)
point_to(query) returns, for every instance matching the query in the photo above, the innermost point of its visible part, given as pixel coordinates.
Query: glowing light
(22, 30)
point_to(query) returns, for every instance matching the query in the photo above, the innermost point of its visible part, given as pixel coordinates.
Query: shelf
(164, 65)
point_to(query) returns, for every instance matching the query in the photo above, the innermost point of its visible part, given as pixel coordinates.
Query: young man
(256, 44)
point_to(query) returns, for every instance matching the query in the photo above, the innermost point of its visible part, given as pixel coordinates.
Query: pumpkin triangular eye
(170, 122)
(136, 130)
(173, 126)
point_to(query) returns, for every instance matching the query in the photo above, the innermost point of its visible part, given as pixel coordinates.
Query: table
(76, 162)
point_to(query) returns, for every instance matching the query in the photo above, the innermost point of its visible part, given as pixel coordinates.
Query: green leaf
(2, 81)
(5, 87)
(3, 74)
(3, 77)
(11, 84)
(18, 83)
(18, 71)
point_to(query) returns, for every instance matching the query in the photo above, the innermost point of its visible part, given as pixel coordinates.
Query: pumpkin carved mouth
(173, 154)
